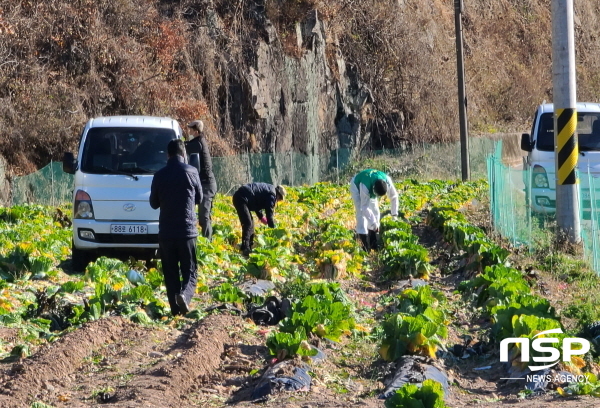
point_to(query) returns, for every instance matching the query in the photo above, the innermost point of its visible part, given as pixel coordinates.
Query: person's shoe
(364, 241)
(373, 244)
(246, 248)
(183, 306)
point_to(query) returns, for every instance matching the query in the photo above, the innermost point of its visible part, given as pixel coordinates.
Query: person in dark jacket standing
(256, 197)
(209, 184)
(176, 190)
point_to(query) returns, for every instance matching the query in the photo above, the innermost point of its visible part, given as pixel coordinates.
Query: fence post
(292, 166)
(248, 169)
(528, 220)
(593, 215)
(512, 205)
(52, 183)
(337, 164)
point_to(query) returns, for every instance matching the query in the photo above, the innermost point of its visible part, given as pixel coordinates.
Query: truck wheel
(150, 255)
(79, 260)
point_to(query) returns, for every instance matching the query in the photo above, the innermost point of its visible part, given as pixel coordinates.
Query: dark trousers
(246, 220)
(205, 210)
(180, 269)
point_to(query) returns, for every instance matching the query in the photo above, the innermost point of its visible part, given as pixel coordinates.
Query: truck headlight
(82, 207)
(540, 178)
(543, 201)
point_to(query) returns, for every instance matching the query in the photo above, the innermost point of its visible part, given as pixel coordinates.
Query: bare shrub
(404, 55)
(62, 62)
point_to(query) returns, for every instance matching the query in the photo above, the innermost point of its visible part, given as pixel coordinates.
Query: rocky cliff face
(299, 103)
(282, 76)
(258, 87)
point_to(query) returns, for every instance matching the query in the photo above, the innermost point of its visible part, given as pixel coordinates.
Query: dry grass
(62, 62)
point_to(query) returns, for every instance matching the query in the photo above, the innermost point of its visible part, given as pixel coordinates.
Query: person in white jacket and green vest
(365, 188)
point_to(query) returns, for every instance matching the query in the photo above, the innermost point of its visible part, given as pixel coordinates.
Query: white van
(116, 162)
(540, 187)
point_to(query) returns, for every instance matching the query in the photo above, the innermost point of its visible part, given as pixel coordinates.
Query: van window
(588, 130)
(133, 150)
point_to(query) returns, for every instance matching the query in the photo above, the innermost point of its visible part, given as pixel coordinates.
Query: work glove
(264, 220)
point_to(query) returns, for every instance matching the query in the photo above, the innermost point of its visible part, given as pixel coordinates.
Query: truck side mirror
(525, 143)
(194, 160)
(69, 163)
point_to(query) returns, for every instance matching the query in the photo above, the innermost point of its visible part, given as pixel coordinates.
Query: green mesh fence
(590, 231)
(51, 186)
(512, 216)
(48, 186)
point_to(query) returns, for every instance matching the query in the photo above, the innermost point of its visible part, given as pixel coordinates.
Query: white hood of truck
(118, 197)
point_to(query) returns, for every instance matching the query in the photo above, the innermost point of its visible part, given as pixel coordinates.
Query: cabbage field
(308, 319)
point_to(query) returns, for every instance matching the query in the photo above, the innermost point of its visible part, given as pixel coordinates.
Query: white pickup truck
(540, 180)
(116, 162)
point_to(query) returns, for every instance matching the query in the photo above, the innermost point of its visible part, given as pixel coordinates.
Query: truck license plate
(128, 229)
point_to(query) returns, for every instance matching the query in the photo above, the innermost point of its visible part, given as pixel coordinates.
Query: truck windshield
(588, 130)
(125, 150)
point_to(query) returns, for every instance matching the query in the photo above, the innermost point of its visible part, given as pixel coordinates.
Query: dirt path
(121, 363)
(115, 363)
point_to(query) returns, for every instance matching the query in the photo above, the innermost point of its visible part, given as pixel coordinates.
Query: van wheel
(79, 260)
(149, 256)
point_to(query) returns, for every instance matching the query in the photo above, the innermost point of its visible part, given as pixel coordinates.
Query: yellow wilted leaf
(431, 350)
(561, 392)
(384, 352)
(362, 328)
(25, 245)
(420, 339)
(578, 361)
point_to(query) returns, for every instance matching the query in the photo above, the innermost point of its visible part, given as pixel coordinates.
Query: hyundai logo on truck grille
(129, 207)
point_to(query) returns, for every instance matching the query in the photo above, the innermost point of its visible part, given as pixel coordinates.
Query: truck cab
(115, 164)
(539, 164)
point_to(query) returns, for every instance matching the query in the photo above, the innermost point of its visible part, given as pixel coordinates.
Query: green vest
(368, 177)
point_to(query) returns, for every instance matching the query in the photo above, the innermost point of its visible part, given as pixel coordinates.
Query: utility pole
(462, 99)
(565, 120)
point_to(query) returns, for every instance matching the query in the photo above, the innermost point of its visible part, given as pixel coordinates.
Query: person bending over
(256, 197)
(365, 188)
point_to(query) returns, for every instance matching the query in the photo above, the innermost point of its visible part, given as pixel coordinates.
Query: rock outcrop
(299, 103)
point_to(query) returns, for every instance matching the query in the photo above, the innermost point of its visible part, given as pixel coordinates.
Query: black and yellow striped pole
(565, 120)
(567, 149)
